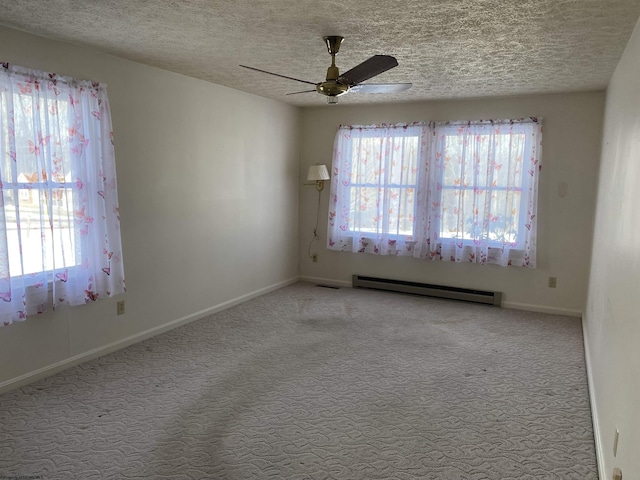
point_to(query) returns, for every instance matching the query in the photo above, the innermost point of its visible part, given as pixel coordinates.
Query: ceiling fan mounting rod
(333, 46)
(331, 87)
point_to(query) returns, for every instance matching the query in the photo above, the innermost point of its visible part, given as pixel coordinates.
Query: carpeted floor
(313, 383)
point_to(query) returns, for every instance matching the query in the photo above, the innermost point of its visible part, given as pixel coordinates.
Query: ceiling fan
(351, 81)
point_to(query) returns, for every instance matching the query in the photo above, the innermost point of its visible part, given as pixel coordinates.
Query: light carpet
(314, 383)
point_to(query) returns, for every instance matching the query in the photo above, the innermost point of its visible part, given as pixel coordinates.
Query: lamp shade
(318, 172)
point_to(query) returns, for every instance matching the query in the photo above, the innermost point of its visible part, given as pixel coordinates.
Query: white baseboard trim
(594, 410)
(57, 367)
(543, 309)
(516, 306)
(325, 281)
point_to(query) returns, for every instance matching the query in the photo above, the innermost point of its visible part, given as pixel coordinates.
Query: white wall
(571, 143)
(196, 164)
(192, 191)
(612, 320)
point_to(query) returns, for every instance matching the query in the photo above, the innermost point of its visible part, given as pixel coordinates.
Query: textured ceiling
(446, 48)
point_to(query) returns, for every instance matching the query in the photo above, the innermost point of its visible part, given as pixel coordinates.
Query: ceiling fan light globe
(332, 100)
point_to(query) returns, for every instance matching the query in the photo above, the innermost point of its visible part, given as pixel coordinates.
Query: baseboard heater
(440, 291)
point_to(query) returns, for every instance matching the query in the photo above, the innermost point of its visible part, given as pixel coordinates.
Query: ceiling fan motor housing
(331, 88)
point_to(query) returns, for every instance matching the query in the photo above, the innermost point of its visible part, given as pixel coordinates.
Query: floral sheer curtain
(484, 180)
(463, 192)
(60, 238)
(375, 187)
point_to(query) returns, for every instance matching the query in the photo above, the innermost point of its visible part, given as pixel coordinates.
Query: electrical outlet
(314, 258)
(121, 307)
(552, 282)
(616, 436)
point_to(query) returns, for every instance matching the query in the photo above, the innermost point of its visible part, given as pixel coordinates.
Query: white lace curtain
(449, 191)
(60, 238)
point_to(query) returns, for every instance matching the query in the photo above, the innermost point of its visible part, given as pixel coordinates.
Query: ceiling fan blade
(368, 69)
(380, 87)
(278, 75)
(303, 91)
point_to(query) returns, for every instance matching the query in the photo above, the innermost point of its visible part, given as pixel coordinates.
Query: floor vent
(440, 291)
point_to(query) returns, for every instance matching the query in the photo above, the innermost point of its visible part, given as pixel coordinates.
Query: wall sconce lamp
(318, 174)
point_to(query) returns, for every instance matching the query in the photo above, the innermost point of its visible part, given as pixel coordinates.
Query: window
(464, 191)
(384, 172)
(482, 185)
(59, 217)
(378, 195)
(35, 202)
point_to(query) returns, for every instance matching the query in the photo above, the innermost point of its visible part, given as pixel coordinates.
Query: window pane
(384, 176)
(507, 168)
(404, 161)
(47, 239)
(452, 160)
(364, 213)
(503, 222)
(463, 213)
(482, 182)
(403, 223)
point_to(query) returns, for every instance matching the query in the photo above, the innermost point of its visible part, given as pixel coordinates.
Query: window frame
(353, 187)
(522, 189)
(44, 184)
(19, 187)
